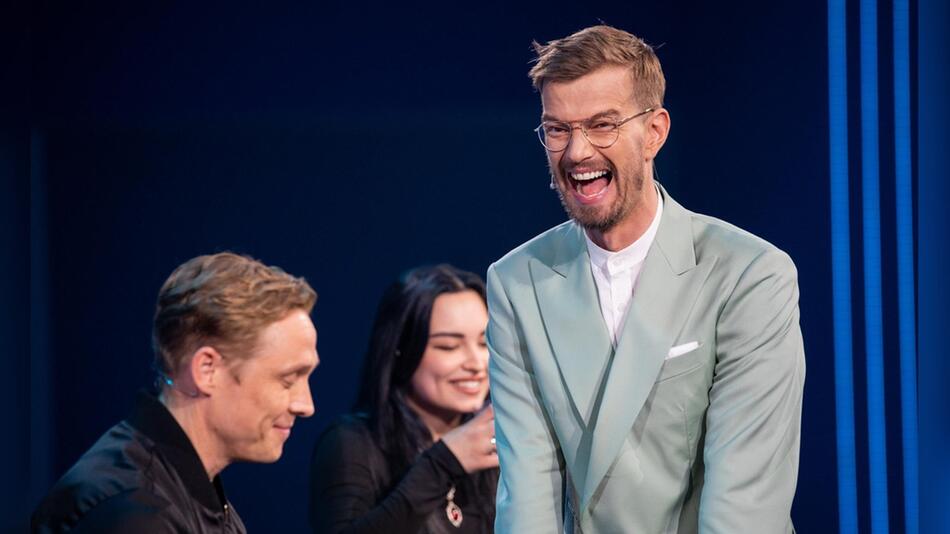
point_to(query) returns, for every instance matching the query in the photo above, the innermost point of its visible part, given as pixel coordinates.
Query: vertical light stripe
(873, 313)
(841, 264)
(905, 261)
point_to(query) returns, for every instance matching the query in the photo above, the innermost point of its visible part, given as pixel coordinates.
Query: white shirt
(616, 273)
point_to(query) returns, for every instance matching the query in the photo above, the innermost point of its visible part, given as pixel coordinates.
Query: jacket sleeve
(345, 485)
(530, 489)
(753, 422)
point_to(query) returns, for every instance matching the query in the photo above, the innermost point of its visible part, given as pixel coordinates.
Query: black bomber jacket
(143, 475)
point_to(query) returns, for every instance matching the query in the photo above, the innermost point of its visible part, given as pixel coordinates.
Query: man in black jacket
(234, 346)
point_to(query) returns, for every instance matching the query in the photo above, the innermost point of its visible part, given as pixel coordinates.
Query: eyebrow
(300, 369)
(605, 113)
(447, 334)
(455, 335)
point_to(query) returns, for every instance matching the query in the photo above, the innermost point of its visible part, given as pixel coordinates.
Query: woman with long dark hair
(418, 454)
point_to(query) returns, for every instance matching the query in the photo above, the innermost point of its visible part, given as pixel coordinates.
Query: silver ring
(493, 441)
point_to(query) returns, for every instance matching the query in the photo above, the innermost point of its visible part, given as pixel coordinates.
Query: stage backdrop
(347, 142)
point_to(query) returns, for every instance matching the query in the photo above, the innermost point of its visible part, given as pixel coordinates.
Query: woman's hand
(473, 443)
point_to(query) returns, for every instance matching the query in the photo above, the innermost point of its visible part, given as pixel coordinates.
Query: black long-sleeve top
(353, 491)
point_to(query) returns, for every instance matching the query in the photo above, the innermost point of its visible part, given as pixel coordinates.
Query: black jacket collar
(153, 419)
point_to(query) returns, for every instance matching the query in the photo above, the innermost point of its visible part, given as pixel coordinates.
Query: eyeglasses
(600, 132)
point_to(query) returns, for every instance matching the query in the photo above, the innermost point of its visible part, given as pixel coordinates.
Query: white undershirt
(616, 273)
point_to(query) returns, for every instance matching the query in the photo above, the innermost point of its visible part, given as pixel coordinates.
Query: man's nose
(579, 147)
(301, 404)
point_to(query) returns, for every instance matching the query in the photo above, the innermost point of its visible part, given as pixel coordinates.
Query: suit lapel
(572, 318)
(668, 285)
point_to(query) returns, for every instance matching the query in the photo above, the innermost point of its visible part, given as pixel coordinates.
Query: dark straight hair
(396, 344)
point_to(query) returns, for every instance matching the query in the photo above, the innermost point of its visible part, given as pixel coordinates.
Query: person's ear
(206, 369)
(657, 129)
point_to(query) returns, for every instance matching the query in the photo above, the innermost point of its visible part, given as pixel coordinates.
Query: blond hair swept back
(223, 300)
(578, 54)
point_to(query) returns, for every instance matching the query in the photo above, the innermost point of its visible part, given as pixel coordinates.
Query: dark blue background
(348, 141)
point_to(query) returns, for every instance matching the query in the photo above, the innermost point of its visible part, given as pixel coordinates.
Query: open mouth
(591, 183)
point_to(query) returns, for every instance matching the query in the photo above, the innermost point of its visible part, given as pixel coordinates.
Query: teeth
(585, 176)
(468, 383)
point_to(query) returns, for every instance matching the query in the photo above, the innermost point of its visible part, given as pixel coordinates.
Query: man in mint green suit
(647, 363)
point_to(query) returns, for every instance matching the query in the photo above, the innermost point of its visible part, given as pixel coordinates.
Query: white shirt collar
(612, 263)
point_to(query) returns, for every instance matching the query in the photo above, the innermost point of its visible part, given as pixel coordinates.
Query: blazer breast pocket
(683, 364)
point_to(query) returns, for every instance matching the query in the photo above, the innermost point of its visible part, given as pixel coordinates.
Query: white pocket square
(680, 350)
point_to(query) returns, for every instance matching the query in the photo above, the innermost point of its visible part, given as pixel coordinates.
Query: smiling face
(599, 187)
(259, 398)
(452, 377)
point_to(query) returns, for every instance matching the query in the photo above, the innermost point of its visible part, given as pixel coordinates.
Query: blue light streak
(873, 311)
(841, 265)
(905, 261)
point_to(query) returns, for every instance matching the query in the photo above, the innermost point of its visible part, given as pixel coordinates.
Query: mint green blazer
(641, 439)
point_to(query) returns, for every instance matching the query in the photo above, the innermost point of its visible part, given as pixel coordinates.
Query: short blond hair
(583, 52)
(223, 300)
